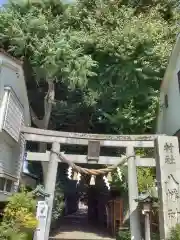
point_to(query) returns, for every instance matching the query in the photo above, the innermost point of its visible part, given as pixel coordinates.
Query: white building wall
(12, 75)
(170, 116)
(6, 158)
(14, 112)
(19, 160)
(14, 115)
(11, 155)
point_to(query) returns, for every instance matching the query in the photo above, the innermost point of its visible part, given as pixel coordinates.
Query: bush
(19, 219)
(155, 236)
(124, 235)
(10, 232)
(175, 233)
(58, 203)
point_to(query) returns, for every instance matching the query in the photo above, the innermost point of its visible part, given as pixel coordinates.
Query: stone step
(76, 227)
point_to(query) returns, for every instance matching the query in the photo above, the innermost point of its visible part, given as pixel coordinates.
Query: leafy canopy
(131, 46)
(113, 52)
(106, 57)
(34, 30)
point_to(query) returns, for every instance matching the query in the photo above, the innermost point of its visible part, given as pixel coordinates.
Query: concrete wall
(169, 117)
(14, 112)
(11, 75)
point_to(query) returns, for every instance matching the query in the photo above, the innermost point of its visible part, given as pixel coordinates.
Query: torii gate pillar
(133, 194)
(50, 184)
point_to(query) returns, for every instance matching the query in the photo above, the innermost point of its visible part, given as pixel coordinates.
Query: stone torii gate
(166, 161)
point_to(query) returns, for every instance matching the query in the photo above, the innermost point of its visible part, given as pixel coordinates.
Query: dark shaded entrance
(97, 201)
(85, 209)
(76, 227)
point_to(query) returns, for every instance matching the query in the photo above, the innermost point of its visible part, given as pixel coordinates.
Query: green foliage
(21, 199)
(58, 204)
(155, 236)
(120, 184)
(107, 59)
(124, 235)
(146, 178)
(19, 219)
(175, 233)
(114, 51)
(32, 30)
(131, 50)
(9, 232)
(145, 175)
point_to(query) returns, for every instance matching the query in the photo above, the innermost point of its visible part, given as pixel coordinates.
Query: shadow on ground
(76, 227)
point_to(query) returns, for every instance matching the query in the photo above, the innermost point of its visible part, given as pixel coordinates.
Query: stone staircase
(76, 227)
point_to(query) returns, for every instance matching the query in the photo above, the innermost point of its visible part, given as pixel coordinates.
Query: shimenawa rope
(96, 172)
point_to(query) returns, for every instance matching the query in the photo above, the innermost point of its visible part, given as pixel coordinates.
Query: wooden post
(168, 179)
(50, 184)
(133, 194)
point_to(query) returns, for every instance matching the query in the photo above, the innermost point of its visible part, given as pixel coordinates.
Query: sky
(2, 1)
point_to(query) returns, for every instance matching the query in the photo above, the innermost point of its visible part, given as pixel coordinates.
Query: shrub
(10, 232)
(19, 219)
(175, 233)
(124, 235)
(58, 203)
(155, 236)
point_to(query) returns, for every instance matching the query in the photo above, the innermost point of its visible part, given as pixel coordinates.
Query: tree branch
(48, 103)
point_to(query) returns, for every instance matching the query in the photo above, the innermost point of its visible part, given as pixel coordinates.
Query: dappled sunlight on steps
(76, 227)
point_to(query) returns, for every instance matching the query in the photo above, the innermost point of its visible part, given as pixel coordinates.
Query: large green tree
(34, 31)
(131, 44)
(92, 65)
(54, 61)
(105, 56)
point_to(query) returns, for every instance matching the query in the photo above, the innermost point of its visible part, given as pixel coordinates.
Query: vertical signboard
(168, 178)
(41, 215)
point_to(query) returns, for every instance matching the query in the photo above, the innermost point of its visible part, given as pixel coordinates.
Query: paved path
(76, 227)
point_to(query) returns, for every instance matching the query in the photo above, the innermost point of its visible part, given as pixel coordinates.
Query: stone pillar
(133, 194)
(168, 179)
(51, 183)
(44, 170)
(147, 226)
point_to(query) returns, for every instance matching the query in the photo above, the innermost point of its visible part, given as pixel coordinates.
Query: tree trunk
(44, 123)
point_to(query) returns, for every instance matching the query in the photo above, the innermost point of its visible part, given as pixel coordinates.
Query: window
(13, 116)
(5, 184)
(178, 75)
(2, 183)
(8, 185)
(166, 101)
